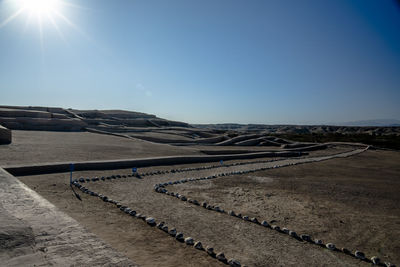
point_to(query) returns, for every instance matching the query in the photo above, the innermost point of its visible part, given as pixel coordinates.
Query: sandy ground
(163, 135)
(30, 147)
(301, 197)
(353, 202)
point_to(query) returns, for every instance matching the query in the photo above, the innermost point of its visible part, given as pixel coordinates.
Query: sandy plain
(352, 202)
(30, 147)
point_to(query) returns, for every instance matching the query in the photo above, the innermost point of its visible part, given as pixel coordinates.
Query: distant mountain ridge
(304, 129)
(361, 123)
(366, 123)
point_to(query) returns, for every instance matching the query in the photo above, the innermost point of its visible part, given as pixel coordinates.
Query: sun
(44, 12)
(40, 7)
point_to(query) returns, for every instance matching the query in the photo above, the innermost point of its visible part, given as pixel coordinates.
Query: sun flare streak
(53, 22)
(44, 12)
(11, 18)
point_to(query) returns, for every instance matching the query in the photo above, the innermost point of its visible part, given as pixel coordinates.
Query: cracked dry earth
(351, 202)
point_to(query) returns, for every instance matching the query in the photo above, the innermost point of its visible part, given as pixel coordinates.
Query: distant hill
(304, 129)
(380, 123)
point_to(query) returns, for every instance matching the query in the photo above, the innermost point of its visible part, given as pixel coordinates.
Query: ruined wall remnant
(5, 136)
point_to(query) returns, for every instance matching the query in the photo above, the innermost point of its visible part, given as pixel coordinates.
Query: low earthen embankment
(43, 124)
(121, 164)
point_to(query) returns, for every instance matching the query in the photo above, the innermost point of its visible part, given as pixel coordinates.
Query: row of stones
(159, 172)
(104, 178)
(208, 167)
(161, 188)
(162, 226)
(245, 171)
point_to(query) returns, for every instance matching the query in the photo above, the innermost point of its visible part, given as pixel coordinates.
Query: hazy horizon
(264, 62)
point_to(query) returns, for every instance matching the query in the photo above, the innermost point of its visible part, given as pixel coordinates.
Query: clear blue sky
(209, 61)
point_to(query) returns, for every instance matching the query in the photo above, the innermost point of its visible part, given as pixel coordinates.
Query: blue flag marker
(71, 168)
(222, 162)
(134, 170)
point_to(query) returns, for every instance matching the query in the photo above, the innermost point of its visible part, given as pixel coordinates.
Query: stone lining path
(131, 210)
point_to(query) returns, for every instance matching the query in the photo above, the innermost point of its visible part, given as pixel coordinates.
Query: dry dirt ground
(352, 202)
(29, 147)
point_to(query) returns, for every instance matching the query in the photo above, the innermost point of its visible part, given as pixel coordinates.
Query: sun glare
(40, 7)
(44, 12)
